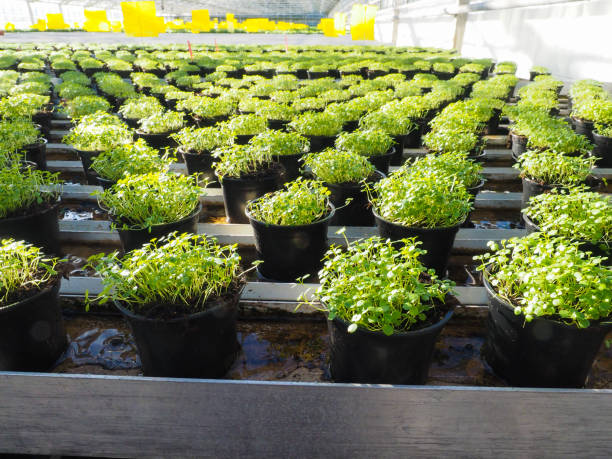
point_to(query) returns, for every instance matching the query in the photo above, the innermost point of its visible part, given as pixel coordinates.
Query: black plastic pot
(412, 139)
(87, 158)
(359, 211)
(369, 357)
(201, 345)
(603, 150)
(540, 353)
(158, 141)
(437, 241)
(200, 163)
(289, 252)
(316, 75)
(398, 150)
(493, 123)
(43, 119)
(382, 162)
(32, 334)
(238, 191)
(319, 143)
(131, 122)
(37, 153)
(134, 239)
(598, 250)
(532, 188)
(277, 125)
(583, 127)
(292, 164)
(40, 229)
(243, 139)
(350, 126)
(376, 73)
(478, 155)
(519, 145)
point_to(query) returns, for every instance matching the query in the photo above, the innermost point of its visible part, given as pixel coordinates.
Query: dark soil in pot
(38, 225)
(131, 122)
(200, 163)
(319, 143)
(134, 239)
(583, 127)
(437, 241)
(599, 250)
(207, 122)
(540, 353)
(238, 191)
(382, 162)
(376, 73)
(370, 357)
(158, 141)
(289, 252)
(359, 211)
(37, 153)
(32, 334)
(292, 165)
(201, 345)
(519, 144)
(603, 150)
(87, 158)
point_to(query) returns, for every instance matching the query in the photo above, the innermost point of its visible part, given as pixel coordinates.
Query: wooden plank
(57, 414)
(261, 291)
(468, 241)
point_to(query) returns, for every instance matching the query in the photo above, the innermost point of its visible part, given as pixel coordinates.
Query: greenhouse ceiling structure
(25, 12)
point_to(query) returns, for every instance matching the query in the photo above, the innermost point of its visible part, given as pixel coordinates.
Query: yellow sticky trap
(116, 26)
(9, 26)
(327, 26)
(96, 21)
(40, 25)
(140, 19)
(370, 18)
(200, 21)
(56, 22)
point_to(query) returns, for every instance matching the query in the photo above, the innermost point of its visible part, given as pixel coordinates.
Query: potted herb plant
(573, 213)
(85, 105)
(94, 134)
(422, 203)
(23, 136)
(375, 144)
(395, 124)
(158, 128)
(130, 159)
(285, 147)
(149, 206)
(445, 141)
(345, 174)
(543, 171)
(290, 228)
(320, 129)
(385, 310)
(29, 206)
(180, 296)
(196, 146)
(549, 310)
(244, 127)
(137, 108)
(32, 334)
(245, 173)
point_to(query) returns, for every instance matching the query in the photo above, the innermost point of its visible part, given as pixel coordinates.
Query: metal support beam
(460, 22)
(395, 22)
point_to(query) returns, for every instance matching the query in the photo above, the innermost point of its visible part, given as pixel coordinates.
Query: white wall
(574, 39)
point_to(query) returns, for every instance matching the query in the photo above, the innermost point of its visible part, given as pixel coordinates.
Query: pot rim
(55, 285)
(161, 225)
(194, 153)
(440, 228)
(275, 172)
(493, 295)
(478, 186)
(132, 315)
(332, 211)
(421, 331)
